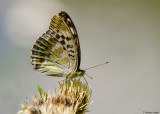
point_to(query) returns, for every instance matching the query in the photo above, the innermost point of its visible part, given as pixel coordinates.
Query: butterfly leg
(79, 78)
(89, 76)
(85, 81)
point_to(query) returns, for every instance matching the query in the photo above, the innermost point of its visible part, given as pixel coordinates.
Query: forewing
(74, 39)
(67, 36)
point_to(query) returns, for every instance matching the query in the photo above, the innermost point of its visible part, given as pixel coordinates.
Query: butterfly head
(80, 73)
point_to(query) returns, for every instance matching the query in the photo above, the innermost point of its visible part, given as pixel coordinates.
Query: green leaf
(40, 90)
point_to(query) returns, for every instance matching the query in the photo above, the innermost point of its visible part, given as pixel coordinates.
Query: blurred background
(126, 33)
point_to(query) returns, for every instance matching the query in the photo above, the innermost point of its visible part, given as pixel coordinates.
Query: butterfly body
(57, 52)
(78, 73)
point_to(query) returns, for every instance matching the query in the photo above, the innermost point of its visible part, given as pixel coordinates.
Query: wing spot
(62, 42)
(57, 36)
(64, 48)
(62, 37)
(76, 43)
(69, 23)
(71, 51)
(69, 46)
(68, 39)
(74, 35)
(71, 55)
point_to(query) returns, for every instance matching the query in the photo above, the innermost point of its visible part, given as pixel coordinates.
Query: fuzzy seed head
(73, 98)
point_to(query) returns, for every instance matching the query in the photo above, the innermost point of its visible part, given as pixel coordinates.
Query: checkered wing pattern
(57, 52)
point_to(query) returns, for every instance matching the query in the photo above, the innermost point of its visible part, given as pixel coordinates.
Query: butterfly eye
(80, 73)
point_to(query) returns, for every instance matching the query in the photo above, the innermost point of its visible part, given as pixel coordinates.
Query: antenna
(89, 76)
(96, 66)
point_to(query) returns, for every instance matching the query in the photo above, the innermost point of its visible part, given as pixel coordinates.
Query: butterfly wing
(75, 40)
(57, 52)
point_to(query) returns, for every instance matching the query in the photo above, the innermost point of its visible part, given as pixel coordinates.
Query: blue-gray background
(125, 33)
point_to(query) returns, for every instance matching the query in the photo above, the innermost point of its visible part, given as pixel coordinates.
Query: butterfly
(57, 52)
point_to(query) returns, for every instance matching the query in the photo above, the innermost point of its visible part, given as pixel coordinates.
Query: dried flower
(73, 98)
